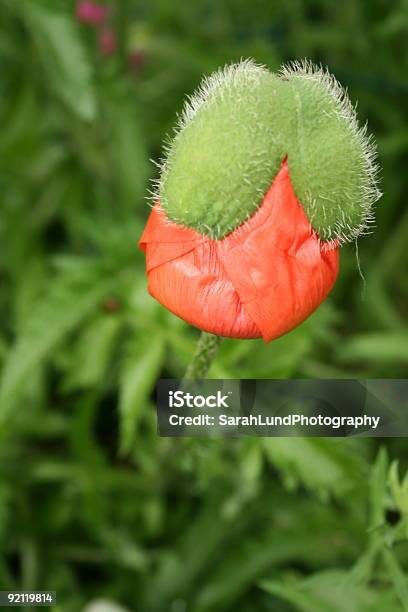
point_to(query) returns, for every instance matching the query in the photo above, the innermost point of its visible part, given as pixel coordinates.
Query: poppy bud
(267, 176)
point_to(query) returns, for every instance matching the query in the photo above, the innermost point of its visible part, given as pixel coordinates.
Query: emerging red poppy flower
(266, 177)
(261, 280)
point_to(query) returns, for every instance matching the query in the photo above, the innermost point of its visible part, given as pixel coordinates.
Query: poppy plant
(266, 177)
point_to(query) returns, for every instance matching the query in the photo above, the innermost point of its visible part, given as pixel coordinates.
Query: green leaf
(322, 465)
(376, 348)
(397, 576)
(140, 369)
(399, 488)
(63, 56)
(129, 156)
(330, 591)
(277, 545)
(69, 300)
(378, 489)
(89, 359)
(306, 602)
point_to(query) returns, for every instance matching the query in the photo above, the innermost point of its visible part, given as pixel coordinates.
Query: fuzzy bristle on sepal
(234, 133)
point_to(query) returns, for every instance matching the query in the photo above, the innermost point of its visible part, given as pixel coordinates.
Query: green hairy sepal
(236, 130)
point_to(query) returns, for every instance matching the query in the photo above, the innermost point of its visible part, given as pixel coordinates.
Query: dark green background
(92, 503)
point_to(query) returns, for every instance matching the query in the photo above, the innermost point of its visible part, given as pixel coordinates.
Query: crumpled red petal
(261, 280)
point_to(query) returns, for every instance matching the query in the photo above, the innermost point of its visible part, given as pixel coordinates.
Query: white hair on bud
(208, 87)
(214, 83)
(212, 88)
(341, 231)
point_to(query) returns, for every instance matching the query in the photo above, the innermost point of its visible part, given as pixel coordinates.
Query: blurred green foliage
(92, 503)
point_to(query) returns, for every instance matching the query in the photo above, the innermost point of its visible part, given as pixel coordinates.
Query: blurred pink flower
(136, 60)
(107, 42)
(91, 12)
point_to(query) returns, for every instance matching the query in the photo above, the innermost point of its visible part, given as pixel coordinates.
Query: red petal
(263, 279)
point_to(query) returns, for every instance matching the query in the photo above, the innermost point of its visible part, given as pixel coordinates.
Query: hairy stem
(207, 348)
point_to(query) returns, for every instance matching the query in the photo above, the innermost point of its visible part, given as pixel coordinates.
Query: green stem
(207, 348)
